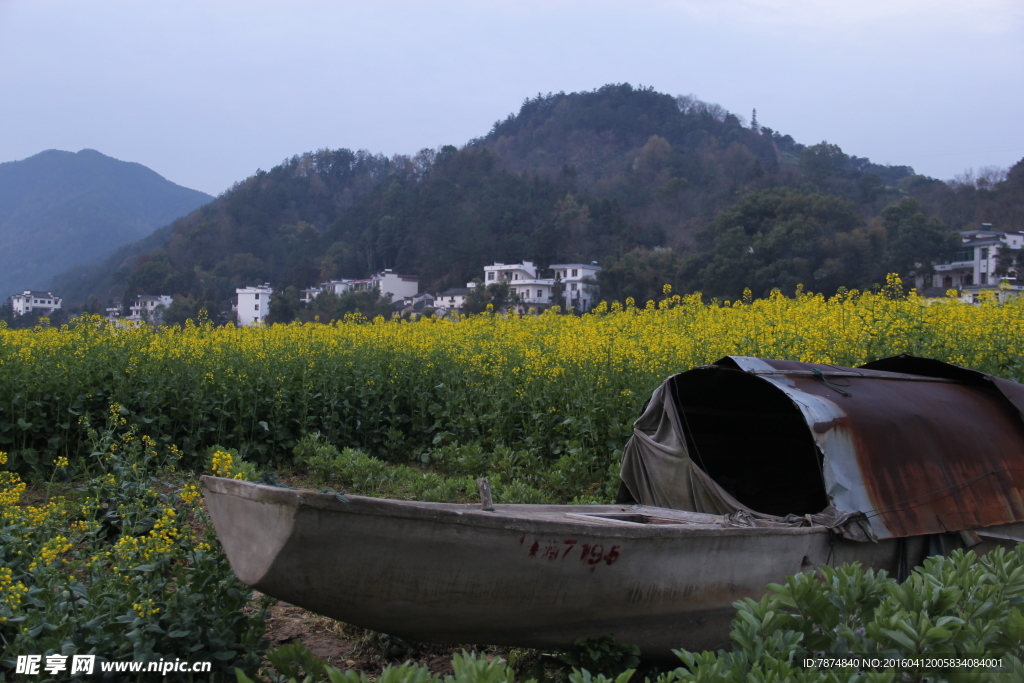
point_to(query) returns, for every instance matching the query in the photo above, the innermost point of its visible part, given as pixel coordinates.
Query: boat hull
(523, 575)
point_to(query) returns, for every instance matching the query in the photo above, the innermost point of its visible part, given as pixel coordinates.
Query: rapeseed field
(551, 384)
(104, 429)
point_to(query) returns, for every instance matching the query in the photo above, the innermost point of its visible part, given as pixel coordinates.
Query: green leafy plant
(951, 606)
(294, 660)
(127, 567)
(601, 655)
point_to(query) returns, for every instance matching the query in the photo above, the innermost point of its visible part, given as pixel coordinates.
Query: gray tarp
(656, 467)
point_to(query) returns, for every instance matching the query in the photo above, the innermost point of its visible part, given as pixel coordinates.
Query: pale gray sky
(205, 92)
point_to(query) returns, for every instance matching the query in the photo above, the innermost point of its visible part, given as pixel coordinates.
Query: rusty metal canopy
(899, 447)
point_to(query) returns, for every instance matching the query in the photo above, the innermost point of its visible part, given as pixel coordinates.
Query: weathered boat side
(539, 576)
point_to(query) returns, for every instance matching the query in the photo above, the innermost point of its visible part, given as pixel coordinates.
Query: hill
(656, 188)
(63, 209)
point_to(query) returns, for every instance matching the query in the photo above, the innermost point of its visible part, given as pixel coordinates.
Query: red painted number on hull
(590, 554)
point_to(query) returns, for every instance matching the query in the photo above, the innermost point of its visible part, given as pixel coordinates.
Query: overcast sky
(206, 92)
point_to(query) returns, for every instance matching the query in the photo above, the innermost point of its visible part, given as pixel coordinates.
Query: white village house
(453, 299)
(253, 304)
(973, 268)
(576, 281)
(31, 301)
(144, 308)
(579, 284)
(573, 286)
(523, 281)
(149, 307)
(400, 287)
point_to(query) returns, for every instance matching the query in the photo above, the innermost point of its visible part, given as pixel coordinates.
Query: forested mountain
(63, 209)
(655, 188)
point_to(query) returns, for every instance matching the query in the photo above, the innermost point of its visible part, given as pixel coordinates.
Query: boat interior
(753, 441)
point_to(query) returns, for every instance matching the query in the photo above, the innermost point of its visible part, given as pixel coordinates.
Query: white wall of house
(513, 272)
(451, 299)
(398, 286)
(536, 291)
(30, 301)
(253, 304)
(974, 265)
(150, 308)
(309, 294)
(577, 294)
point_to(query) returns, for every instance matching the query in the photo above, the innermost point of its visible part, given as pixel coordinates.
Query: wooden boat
(651, 574)
(526, 575)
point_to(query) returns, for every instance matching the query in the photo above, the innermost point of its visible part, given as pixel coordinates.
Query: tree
(913, 243)
(640, 274)
(498, 295)
(823, 161)
(328, 306)
(284, 305)
(782, 238)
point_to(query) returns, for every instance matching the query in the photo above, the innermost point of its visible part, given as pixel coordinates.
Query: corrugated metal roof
(907, 446)
(920, 447)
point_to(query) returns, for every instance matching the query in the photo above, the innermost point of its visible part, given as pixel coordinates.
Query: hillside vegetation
(655, 188)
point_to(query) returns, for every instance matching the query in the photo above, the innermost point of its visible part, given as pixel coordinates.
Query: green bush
(601, 655)
(960, 605)
(127, 567)
(293, 661)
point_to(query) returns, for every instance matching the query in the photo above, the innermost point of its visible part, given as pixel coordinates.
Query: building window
(257, 307)
(964, 254)
(490, 275)
(540, 293)
(257, 297)
(574, 272)
(984, 253)
(573, 286)
(984, 278)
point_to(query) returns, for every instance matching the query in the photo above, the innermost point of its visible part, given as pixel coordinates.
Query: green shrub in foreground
(127, 567)
(960, 605)
(473, 667)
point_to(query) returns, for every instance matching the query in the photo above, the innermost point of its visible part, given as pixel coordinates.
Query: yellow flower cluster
(11, 593)
(222, 465)
(3, 458)
(11, 488)
(61, 462)
(145, 608)
(51, 552)
(82, 526)
(129, 551)
(115, 415)
(36, 516)
(189, 494)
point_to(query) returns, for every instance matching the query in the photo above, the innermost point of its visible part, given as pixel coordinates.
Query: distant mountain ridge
(59, 210)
